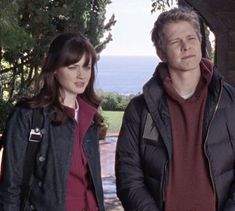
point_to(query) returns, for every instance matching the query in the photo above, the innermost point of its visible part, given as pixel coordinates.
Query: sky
(132, 31)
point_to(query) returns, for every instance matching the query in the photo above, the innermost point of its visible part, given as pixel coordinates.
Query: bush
(115, 102)
(5, 110)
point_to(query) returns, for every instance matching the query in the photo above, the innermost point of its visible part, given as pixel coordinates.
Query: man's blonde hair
(172, 16)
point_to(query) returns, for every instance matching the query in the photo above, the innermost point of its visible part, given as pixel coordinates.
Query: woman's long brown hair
(66, 49)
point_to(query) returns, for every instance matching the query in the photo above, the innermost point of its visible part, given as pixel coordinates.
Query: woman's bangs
(88, 58)
(74, 55)
(71, 56)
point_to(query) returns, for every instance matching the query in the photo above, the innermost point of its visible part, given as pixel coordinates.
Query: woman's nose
(79, 73)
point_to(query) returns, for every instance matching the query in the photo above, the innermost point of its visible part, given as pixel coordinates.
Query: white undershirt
(188, 95)
(76, 110)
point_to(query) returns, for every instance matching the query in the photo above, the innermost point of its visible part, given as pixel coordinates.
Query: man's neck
(185, 83)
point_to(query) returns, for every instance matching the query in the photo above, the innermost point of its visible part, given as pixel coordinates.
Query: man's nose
(185, 45)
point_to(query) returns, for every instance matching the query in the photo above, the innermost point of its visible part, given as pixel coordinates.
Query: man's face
(182, 47)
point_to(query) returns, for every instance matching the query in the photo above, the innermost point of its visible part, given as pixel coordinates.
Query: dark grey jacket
(144, 147)
(52, 164)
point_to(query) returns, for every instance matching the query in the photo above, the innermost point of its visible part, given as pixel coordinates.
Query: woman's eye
(72, 67)
(88, 67)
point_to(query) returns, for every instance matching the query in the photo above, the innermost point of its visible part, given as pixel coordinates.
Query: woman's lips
(79, 84)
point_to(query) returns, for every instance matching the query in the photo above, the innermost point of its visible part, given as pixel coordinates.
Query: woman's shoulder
(21, 111)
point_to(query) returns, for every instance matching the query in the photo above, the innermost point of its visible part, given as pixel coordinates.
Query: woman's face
(73, 79)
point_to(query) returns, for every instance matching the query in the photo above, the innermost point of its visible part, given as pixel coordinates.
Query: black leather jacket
(142, 157)
(48, 188)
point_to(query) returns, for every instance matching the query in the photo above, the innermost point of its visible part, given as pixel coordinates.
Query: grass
(114, 119)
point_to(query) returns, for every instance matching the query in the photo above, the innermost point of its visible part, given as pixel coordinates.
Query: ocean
(124, 74)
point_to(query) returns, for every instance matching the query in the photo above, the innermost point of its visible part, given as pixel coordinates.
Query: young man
(176, 148)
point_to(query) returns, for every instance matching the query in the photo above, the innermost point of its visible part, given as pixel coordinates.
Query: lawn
(114, 119)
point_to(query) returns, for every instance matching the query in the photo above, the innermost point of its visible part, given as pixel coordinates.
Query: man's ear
(161, 55)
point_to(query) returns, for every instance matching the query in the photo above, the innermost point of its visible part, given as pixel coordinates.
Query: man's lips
(188, 57)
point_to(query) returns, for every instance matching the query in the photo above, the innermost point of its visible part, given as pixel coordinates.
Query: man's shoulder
(228, 95)
(136, 106)
(230, 89)
(137, 101)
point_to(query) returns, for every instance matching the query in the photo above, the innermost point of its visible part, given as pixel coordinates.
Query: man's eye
(174, 42)
(192, 38)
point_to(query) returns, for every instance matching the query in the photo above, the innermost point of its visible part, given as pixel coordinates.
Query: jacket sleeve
(131, 188)
(230, 203)
(14, 139)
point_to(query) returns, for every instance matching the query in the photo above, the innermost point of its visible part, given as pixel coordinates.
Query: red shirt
(189, 187)
(79, 195)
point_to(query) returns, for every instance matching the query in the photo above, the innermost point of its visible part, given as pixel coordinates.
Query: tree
(31, 25)
(162, 4)
(11, 33)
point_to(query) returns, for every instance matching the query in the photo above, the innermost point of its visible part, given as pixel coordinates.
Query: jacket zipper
(216, 108)
(164, 182)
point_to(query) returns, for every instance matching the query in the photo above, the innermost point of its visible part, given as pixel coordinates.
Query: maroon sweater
(79, 195)
(189, 187)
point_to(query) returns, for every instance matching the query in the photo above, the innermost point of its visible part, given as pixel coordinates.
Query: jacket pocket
(150, 134)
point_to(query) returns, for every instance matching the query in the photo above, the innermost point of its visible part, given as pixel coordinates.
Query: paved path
(107, 151)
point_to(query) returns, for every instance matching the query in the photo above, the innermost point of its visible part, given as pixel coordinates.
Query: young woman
(67, 166)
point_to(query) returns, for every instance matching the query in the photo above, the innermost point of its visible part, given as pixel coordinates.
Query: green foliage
(11, 33)
(5, 110)
(27, 28)
(115, 102)
(114, 119)
(162, 5)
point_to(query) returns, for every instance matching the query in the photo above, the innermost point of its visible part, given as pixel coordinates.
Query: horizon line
(147, 55)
